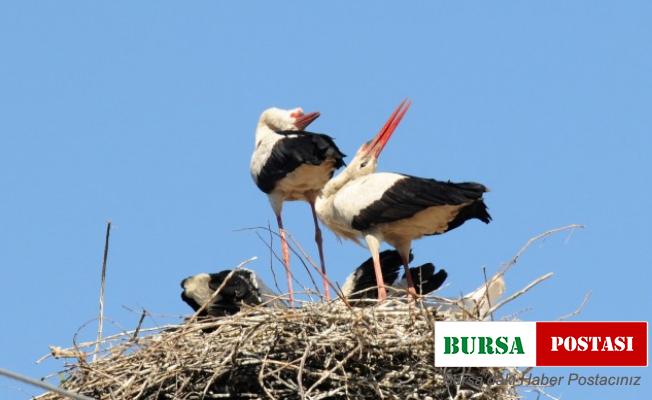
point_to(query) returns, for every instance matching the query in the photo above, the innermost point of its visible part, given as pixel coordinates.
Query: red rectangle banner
(592, 344)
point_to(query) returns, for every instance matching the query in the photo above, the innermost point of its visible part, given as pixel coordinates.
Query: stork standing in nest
(289, 163)
(394, 208)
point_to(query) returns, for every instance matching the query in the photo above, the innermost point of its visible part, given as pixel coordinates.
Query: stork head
(196, 290)
(278, 119)
(365, 160)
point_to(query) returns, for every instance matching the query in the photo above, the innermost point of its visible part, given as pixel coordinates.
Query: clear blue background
(144, 114)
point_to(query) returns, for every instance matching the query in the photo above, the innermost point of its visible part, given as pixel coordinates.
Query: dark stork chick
(289, 163)
(361, 284)
(243, 287)
(394, 208)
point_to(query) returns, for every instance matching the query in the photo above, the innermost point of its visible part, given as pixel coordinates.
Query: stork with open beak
(394, 208)
(289, 163)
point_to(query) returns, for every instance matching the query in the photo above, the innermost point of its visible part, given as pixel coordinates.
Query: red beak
(306, 119)
(377, 144)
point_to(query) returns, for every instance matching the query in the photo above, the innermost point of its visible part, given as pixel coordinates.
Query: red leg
(404, 250)
(411, 290)
(318, 239)
(374, 245)
(286, 257)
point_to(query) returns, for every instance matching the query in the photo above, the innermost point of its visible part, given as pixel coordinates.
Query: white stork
(243, 287)
(289, 163)
(361, 284)
(395, 208)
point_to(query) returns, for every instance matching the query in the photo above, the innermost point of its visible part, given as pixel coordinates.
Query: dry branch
(100, 318)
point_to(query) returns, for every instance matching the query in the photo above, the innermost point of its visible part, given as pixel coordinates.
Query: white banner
(485, 344)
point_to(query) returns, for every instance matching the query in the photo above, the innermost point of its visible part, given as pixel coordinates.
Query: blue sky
(144, 114)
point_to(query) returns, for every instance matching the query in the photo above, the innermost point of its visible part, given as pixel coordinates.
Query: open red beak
(306, 119)
(377, 144)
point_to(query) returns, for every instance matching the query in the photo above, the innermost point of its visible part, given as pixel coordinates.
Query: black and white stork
(289, 163)
(361, 284)
(243, 287)
(394, 208)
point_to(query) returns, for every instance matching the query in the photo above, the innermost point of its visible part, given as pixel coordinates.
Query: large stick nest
(319, 351)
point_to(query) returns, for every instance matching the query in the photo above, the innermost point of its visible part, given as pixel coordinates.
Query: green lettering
(465, 344)
(501, 345)
(451, 345)
(486, 345)
(517, 346)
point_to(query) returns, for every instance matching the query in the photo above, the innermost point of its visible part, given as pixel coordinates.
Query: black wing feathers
(425, 279)
(412, 194)
(477, 209)
(297, 148)
(365, 278)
